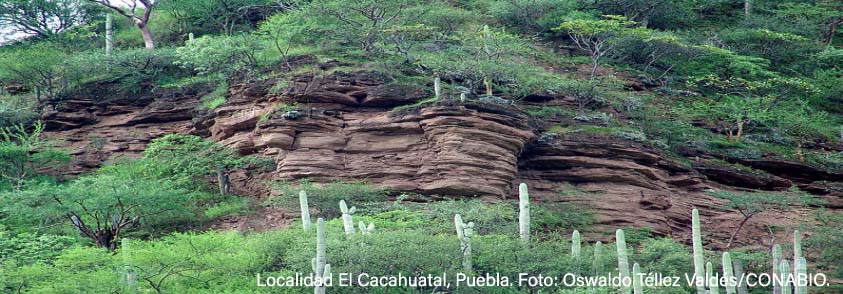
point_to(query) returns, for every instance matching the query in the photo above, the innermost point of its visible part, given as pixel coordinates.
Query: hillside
(177, 168)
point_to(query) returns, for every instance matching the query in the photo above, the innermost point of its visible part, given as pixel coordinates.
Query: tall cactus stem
(801, 280)
(319, 263)
(785, 270)
(636, 279)
(797, 246)
(131, 277)
(437, 87)
(711, 280)
(524, 214)
(468, 234)
(597, 263)
(623, 261)
(777, 260)
(699, 260)
(305, 211)
(728, 273)
(576, 245)
(109, 34)
(739, 273)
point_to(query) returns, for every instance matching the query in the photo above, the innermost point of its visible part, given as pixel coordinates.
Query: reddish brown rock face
(344, 128)
(457, 150)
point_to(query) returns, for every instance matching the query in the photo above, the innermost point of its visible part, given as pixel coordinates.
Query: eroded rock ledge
(447, 149)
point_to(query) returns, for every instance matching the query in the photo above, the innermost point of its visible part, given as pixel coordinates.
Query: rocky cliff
(344, 126)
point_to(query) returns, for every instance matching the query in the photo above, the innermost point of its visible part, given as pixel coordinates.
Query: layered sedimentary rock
(342, 126)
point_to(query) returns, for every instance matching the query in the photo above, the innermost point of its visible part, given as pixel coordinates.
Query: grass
(216, 98)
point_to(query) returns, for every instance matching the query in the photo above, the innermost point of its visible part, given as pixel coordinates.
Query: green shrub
(217, 97)
(85, 270)
(228, 207)
(187, 158)
(780, 48)
(23, 154)
(530, 15)
(208, 55)
(40, 66)
(28, 248)
(326, 196)
(18, 110)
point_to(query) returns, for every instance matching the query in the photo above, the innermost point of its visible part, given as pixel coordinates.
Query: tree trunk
(833, 30)
(735, 234)
(747, 8)
(147, 36)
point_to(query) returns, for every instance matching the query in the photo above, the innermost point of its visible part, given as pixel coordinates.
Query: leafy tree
(190, 158)
(826, 16)
(777, 47)
(732, 114)
(651, 13)
(23, 153)
(45, 18)
(531, 15)
(830, 84)
(803, 123)
(110, 203)
(365, 19)
(226, 16)
(209, 55)
(826, 239)
(749, 204)
(139, 18)
(288, 31)
(39, 66)
(598, 37)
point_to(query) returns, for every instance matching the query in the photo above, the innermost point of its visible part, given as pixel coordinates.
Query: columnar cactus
(131, 281)
(797, 246)
(739, 273)
(636, 281)
(801, 280)
(784, 268)
(576, 245)
(109, 34)
(305, 211)
(777, 260)
(458, 226)
(623, 259)
(699, 260)
(465, 232)
(524, 213)
(597, 263)
(437, 87)
(728, 273)
(320, 267)
(364, 229)
(713, 288)
(347, 222)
